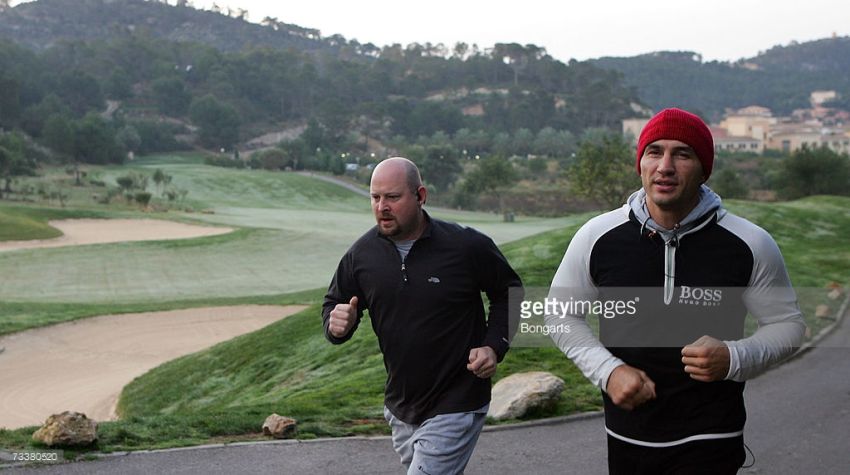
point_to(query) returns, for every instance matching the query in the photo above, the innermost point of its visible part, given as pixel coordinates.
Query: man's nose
(665, 165)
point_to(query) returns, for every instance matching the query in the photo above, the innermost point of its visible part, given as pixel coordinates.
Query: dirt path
(83, 365)
(100, 231)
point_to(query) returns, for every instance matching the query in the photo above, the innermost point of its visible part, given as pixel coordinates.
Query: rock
(822, 311)
(67, 429)
(279, 427)
(834, 294)
(515, 395)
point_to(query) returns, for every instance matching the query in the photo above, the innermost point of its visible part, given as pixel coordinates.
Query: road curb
(498, 428)
(824, 332)
(549, 421)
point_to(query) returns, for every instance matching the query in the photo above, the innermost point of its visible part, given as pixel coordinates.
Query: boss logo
(700, 296)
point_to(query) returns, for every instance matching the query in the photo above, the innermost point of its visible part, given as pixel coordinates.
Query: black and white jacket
(700, 278)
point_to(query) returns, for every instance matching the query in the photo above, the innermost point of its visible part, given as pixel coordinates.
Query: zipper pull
(404, 272)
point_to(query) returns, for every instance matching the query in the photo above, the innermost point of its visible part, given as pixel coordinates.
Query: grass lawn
(18, 316)
(293, 241)
(212, 187)
(23, 223)
(16, 225)
(296, 229)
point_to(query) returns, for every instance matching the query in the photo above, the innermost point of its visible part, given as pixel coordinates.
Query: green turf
(244, 263)
(292, 239)
(17, 316)
(812, 234)
(297, 229)
(213, 187)
(15, 226)
(22, 223)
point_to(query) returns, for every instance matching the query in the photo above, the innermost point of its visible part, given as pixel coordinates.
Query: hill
(825, 56)
(42, 24)
(215, 80)
(780, 78)
(503, 88)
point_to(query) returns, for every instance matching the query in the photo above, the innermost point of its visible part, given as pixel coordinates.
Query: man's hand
(629, 387)
(342, 318)
(706, 359)
(482, 362)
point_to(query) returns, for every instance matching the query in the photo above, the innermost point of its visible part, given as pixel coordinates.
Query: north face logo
(700, 296)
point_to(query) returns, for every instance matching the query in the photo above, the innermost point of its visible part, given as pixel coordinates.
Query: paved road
(799, 423)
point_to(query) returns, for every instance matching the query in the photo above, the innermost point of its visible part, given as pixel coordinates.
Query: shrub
(143, 198)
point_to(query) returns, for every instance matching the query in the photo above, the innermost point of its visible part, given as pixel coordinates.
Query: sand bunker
(100, 231)
(83, 365)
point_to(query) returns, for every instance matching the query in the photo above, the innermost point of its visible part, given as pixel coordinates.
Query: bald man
(421, 280)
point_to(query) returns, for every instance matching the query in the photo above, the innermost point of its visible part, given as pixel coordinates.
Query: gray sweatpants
(441, 445)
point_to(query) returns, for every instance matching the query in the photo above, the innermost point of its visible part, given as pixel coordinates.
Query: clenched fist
(342, 318)
(706, 359)
(482, 362)
(630, 387)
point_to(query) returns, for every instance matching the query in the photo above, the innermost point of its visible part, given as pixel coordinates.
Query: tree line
(169, 89)
(781, 78)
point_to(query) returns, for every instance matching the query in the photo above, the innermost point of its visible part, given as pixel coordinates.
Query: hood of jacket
(709, 202)
(707, 210)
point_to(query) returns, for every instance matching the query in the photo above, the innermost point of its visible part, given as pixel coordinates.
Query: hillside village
(755, 129)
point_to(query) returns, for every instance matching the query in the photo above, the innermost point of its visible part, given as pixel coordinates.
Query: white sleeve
(572, 280)
(771, 299)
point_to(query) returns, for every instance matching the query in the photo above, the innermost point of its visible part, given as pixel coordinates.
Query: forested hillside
(98, 81)
(41, 24)
(780, 78)
(63, 61)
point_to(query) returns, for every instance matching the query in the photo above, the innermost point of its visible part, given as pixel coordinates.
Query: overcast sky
(719, 29)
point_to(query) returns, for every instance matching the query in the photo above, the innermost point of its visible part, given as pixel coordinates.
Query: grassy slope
(16, 225)
(18, 316)
(299, 227)
(245, 263)
(21, 223)
(288, 368)
(812, 234)
(214, 187)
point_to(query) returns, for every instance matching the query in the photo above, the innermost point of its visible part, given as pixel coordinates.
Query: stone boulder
(67, 429)
(279, 427)
(519, 393)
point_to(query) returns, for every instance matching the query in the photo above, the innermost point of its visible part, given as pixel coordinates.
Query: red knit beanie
(676, 124)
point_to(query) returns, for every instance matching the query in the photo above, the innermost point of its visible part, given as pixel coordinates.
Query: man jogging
(672, 373)
(421, 280)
